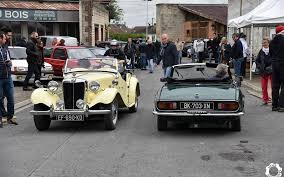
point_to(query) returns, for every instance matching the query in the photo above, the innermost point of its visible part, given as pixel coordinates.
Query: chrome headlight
(94, 86)
(53, 86)
(80, 104)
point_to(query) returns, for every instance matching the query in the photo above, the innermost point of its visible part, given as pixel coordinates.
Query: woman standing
(150, 55)
(264, 65)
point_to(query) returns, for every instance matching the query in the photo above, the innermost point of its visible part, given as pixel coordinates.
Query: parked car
(106, 44)
(187, 47)
(59, 54)
(195, 96)
(91, 87)
(98, 51)
(20, 66)
(69, 41)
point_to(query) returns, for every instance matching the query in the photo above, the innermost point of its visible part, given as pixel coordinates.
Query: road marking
(23, 108)
(23, 103)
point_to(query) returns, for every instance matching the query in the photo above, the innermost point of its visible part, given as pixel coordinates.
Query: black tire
(134, 108)
(162, 124)
(42, 122)
(111, 119)
(236, 125)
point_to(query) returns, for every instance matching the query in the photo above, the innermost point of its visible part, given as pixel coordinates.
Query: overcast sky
(135, 11)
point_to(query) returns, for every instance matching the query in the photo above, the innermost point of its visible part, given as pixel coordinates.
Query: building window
(188, 34)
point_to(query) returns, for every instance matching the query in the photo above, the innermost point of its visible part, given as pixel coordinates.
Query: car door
(58, 60)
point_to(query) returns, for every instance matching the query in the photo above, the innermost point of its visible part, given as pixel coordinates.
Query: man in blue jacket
(6, 82)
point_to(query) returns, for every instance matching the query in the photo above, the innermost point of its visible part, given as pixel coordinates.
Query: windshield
(78, 53)
(18, 53)
(87, 65)
(200, 72)
(98, 51)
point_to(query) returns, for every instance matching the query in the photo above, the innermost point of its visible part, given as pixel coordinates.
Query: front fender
(105, 97)
(134, 90)
(42, 95)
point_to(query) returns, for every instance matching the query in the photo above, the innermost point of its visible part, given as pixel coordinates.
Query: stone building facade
(94, 22)
(191, 21)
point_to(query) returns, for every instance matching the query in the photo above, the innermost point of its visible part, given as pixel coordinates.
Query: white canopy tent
(268, 12)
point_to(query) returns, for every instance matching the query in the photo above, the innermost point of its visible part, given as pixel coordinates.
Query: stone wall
(94, 21)
(170, 20)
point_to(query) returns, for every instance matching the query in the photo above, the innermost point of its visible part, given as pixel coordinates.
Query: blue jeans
(143, 60)
(167, 72)
(151, 65)
(7, 87)
(238, 66)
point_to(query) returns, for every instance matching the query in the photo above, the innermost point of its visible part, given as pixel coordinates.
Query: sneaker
(275, 108)
(280, 109)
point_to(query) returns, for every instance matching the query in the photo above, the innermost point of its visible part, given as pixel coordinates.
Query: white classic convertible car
(20, 65)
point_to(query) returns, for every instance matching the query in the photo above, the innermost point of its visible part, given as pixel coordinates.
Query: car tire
(111, 119)
(42, 122)
(236, 125)
(162, 124)
(134, 108)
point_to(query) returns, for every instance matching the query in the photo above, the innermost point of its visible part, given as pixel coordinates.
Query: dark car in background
(106, 44)
(187, 47)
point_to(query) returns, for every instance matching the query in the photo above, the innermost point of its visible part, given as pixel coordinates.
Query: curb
(252, 89)
(22, 104)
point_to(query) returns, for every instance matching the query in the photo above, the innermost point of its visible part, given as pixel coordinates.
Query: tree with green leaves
(115, 12)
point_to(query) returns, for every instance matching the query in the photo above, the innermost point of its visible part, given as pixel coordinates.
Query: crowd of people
(146, 55)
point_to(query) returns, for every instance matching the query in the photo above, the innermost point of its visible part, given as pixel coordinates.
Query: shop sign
(27, 15)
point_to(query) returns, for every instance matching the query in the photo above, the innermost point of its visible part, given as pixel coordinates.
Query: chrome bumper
(185, 114)
(86, 113)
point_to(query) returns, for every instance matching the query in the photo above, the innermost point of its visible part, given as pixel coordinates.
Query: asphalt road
(137, 149)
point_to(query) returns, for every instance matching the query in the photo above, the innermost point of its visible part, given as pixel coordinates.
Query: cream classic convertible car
(92, 88)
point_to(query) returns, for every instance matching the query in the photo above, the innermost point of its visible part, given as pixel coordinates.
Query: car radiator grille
(73, 92)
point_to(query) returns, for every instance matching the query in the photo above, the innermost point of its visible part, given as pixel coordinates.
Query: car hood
(24, 63)
(198, 92)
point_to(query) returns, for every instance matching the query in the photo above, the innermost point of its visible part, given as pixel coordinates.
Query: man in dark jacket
(237, 54)
(6, 82)
(168, 55)
(151, 55)
(276, 51)
(129, 51)
(33, 55)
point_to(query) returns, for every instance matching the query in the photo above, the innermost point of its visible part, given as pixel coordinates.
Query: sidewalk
(254, 86)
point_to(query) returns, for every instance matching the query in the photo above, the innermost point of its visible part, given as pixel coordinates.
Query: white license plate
(70, 117)
(197, 105)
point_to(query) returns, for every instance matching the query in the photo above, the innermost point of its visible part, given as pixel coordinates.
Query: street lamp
(147, 22)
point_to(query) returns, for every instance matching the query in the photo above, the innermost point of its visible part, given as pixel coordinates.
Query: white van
(69, 41)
